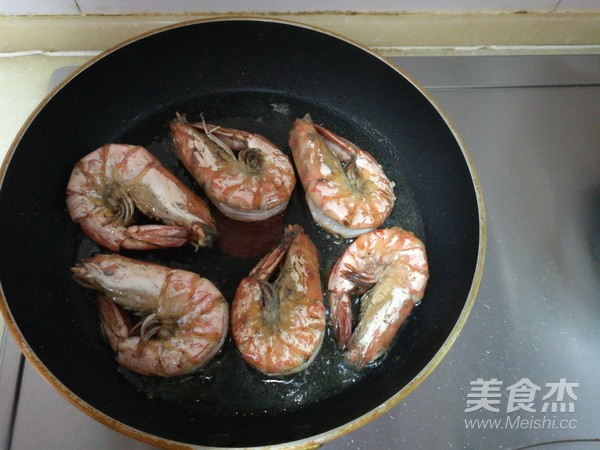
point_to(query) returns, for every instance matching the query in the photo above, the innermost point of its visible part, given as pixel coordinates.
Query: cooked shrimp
(252, 186)
(185, 317)
(388, 267)
(107, 186)
(346, 189)
(279, 326)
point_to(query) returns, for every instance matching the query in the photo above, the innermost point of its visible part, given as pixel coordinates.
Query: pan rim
(313, 440)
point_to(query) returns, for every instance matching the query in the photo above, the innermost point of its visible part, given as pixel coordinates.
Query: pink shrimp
(388, 268)
(346, 189)
(107, 186)
(185, 317)
(279, 326)
(253, 185)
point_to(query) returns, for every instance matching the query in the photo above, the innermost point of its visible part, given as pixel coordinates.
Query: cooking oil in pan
(228, 386)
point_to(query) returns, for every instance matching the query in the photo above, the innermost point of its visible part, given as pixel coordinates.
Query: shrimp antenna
(212, 137)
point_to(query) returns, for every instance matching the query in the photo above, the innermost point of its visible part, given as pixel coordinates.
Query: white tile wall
(579, 5)
(39, 7)
(62, 7)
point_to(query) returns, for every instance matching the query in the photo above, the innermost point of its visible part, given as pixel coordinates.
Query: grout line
(276, 12)
(510, 86)
(553, 10)
(481, 50)
(18, 54)
(3, 334)
(389, 51)
(15, 403)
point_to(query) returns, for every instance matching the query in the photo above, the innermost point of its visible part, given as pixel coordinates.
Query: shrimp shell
(388, 268)
(346, 189)
(279, 326)
(107, 186)
(253, 185)
(185, 317)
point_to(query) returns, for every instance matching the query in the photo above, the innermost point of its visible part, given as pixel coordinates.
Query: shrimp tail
(115, 322)
(147, 237)
(343, 148)
(267, 265)
(341, 317)
(205, 235)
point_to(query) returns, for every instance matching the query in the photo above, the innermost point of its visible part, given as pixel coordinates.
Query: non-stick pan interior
(259, 76)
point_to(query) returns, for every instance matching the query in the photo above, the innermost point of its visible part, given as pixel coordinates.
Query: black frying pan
(257, 75)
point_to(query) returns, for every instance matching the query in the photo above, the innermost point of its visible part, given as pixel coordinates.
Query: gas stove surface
(523, 372)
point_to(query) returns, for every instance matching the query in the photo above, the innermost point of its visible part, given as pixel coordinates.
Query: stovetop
(523, 372)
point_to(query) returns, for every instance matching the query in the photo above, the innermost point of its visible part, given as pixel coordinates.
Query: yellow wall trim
(388, 33)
